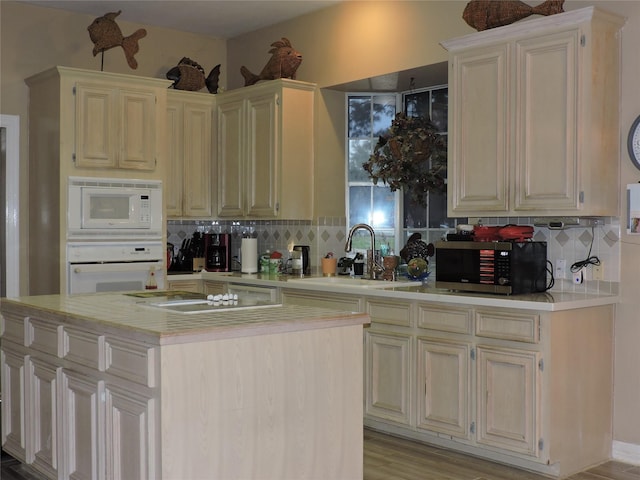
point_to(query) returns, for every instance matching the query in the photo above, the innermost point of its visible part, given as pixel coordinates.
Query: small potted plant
(412, 156)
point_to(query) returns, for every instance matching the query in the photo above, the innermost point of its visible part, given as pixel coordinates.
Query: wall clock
(633, 142)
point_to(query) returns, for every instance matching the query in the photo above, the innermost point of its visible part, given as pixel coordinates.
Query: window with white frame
(391, 214)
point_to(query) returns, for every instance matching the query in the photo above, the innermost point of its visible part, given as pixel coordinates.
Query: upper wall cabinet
(265, 151)
(116, 126)
(534, 117)
(190, 134)
(105, 121)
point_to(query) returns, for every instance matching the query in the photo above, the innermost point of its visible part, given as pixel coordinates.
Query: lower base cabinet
(508, 403)
(511, 385)
(42, 381)
(444, 387)
(78, 404)
(387, 378)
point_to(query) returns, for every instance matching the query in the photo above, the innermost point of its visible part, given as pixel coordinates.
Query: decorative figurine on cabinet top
(283, 63)
(485, 14)
(189, 75)
(105, 34)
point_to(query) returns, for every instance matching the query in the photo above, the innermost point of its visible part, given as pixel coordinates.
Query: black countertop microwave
(492, 267)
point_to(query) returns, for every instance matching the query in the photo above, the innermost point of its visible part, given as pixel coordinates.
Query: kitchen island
(106, 386)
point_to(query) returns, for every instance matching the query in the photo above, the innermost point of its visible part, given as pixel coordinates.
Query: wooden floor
(390, 458)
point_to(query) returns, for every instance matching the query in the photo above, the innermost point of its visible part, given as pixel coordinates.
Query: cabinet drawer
(390, 313)
(505, 325)
(12, 327)
(445, 318)
(83, 347)
(43, 335)
(333, 301)
(131, 360)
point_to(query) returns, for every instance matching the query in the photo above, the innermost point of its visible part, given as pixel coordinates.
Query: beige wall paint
(346, 42)
(33, 39)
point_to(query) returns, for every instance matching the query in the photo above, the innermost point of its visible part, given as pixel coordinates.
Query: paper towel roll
(249, 255)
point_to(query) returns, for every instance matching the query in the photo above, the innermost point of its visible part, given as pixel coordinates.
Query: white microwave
(114, 208)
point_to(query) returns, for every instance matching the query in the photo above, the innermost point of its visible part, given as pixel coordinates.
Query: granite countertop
(119, 311)
(552, 300)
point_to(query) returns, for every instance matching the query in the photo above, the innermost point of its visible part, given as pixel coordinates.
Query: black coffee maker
(217, 252)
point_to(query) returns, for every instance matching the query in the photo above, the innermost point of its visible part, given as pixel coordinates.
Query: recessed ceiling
(221, 19)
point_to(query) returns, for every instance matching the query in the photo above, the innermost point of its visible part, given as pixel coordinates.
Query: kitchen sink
(351, 282)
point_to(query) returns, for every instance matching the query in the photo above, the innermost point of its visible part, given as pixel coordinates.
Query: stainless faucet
(373, 266)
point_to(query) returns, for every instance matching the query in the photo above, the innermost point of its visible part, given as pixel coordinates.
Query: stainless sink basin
(350, 282)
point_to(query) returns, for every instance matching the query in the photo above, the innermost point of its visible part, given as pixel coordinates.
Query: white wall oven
(114, 266)
(114, 208)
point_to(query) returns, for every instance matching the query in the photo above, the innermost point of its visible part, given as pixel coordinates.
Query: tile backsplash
(328, 234)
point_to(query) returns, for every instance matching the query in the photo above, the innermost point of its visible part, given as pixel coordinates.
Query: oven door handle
(114, 267)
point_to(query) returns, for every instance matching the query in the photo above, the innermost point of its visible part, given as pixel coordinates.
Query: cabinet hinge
(73, 157)
(541, 364)
(73, 90)
(472, 354)
(472, 427)
(581, 197)
(278, 100)
(583, 40)
(277, 206)
(541, 444)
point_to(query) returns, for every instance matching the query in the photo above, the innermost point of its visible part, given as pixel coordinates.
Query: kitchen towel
(249, 255)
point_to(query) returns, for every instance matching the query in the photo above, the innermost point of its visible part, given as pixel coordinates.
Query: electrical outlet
(578, 277)
(561, 269)
(598, 271)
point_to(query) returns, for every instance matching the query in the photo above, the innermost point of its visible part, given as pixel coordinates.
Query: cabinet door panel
(508, 399)
(478, 143)
(197, 158)
(81, 420)
(173, 186)
(230, 153)
(13, 395)
(444, 376)
(546, 143)
(43, 451)
(262, 176)
(96, 127)
(388, 377)
(137, 130)
(130, 437)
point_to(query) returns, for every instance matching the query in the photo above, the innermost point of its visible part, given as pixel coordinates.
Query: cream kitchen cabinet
(349, 303)
(82, 403)
(190, 135)
(117, 125)
(89, 124)
(14, 429)
(445, 370)
(194, 285)
(533, 112)
(265, 151)
(388, 377)
(389, 361)
(508, 404)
